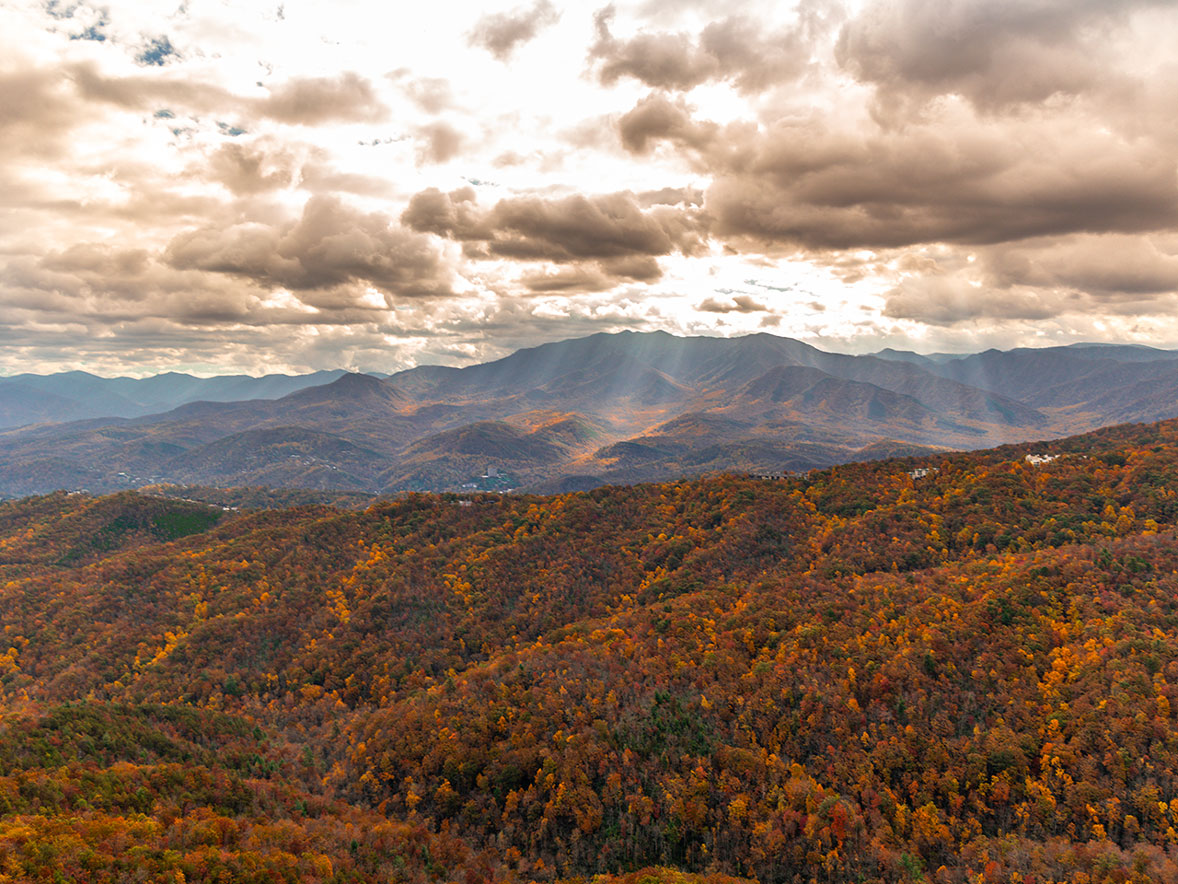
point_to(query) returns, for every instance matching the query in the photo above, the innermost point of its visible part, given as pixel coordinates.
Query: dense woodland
(956, 668)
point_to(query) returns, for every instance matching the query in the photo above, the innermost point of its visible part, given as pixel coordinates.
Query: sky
(223, 187)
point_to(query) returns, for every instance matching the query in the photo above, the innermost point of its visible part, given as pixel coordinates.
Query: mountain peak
(352, 387)
(355, 380)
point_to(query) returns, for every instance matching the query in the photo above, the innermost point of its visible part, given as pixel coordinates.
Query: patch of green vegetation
(174, 524)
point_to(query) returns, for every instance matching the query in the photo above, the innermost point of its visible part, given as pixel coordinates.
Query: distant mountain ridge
(608, 408)
(78, 395)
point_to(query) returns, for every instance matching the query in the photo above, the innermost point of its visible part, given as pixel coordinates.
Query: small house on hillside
(1039, 459)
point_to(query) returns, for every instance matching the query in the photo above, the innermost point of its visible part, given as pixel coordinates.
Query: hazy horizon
(4, 374)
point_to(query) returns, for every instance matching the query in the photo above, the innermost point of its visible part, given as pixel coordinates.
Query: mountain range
(79, 395)
(609, 408)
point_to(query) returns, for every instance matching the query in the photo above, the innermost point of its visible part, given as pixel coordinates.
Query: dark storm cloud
(330, 245)
(995, 54)
(952, 178)
(502, 33)
(1065, 215)
(734, 49)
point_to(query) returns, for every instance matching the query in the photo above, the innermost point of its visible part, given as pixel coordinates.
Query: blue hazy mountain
(78, 395)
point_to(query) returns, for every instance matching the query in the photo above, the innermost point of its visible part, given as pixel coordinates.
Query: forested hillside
(955, 668)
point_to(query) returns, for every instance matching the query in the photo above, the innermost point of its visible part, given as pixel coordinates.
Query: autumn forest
(961, 667)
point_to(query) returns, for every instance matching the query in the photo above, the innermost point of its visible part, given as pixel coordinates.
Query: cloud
(593, 276)
(1034, 280)
(102, 286)
(439, 143)
(252, 168)
(994, 54)
(1110, 267)
(659, 118)
(597, 242)
(317, 175)
(145, 91)
(432, 94)
(735, 49)
(753, 58)
(956, 181)
(36, 110)
(455, 214)
(639, 268)
(310, 101)
(604, 226)
(330, 245)
(671, 196)
(566, 229)
(306, 101)
(502, 33)
(946, 300)
(97, 259)
(738, 304)
(569, 280)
